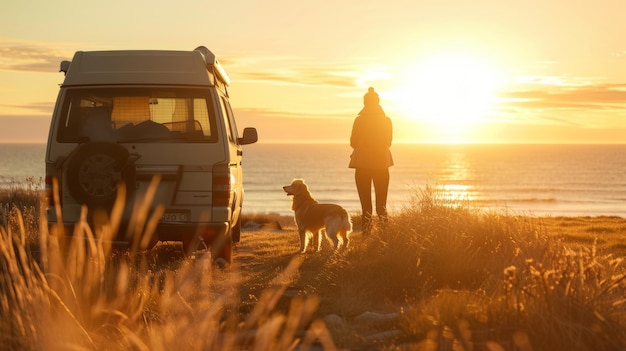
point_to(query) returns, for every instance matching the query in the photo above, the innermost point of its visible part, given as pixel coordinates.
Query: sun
(450, 92)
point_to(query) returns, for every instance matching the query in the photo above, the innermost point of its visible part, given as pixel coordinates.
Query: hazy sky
(482, 70)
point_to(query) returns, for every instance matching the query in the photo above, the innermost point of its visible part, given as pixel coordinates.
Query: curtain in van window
(130, 109)
(201, 114)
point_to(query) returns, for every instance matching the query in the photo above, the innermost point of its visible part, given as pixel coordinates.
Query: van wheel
(221, 250)
(94, 172)
(223, 256)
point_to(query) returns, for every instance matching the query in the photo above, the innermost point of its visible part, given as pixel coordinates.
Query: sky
(483, 71)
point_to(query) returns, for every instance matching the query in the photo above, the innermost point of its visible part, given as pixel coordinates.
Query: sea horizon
(554, 179)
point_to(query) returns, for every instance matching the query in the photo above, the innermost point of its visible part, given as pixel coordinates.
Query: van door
(235, 151)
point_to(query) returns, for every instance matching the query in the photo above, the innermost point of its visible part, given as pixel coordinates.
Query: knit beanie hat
(371, 97)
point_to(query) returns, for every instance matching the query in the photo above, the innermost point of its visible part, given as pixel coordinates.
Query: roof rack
(213, 64)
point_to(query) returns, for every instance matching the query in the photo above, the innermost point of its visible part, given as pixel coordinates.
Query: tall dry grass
(25, 197)
(80, 293)
(469, 279)
(462, 278)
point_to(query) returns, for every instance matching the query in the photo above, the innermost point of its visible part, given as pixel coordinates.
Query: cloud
(586, 106)
(586, 97)
(45, 108)
(298, 71)
(38, 57)
(276, 114)
(302, 76)
(30, 57)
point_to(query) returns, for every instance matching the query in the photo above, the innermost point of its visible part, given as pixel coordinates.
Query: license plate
(175, 217)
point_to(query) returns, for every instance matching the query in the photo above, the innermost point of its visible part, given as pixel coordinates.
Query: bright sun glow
(450, 92)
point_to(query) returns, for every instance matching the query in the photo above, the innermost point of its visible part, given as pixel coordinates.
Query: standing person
(371, 158)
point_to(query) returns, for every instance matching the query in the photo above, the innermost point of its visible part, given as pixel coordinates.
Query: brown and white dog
(313, 217)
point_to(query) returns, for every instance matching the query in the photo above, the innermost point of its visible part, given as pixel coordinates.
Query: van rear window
(137, 115)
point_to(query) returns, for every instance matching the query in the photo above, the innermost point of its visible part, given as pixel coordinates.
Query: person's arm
(354, 136)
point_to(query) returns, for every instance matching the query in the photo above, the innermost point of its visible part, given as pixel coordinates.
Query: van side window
(230, 120)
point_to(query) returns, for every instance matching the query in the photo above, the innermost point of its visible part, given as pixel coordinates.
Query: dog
(313, 217)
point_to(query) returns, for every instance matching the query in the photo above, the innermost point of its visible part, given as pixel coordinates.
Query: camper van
(155, 129)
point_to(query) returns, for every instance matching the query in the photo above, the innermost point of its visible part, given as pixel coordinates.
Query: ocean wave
(524, 200)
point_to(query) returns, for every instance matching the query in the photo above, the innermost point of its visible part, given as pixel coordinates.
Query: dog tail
(338, 220)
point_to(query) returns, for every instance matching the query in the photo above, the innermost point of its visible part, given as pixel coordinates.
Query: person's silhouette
(371, 158)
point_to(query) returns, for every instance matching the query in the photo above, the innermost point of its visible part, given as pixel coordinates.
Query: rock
(274, 225)
(251, 225)
(334, 321)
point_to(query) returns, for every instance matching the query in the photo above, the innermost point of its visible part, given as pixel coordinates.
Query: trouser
(364, 179)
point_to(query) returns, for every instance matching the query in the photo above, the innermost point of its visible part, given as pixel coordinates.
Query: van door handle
(239, 152)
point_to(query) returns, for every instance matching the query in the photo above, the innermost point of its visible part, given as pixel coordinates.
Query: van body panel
(138, 67)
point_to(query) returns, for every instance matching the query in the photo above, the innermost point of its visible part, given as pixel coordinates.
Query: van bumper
(184, 232)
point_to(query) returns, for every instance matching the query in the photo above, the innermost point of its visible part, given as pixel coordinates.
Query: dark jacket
(371, 138)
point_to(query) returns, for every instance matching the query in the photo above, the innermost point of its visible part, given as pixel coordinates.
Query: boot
(366, 224)
(382, 223)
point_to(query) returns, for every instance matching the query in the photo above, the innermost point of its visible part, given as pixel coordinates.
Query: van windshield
(137, 115)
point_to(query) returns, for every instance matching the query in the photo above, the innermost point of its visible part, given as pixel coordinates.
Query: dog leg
(344, 238)
(303, 240)
(332, 235)
(367, 223)
(317, 240)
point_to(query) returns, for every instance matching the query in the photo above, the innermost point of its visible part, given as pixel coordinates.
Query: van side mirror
(65, 66)
(250, 136)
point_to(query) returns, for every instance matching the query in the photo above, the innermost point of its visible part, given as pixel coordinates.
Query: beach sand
(607, 232)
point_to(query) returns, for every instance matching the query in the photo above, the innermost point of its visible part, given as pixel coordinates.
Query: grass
(81, 293)
(461, 279)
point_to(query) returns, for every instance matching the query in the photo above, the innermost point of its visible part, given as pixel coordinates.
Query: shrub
(488, 279)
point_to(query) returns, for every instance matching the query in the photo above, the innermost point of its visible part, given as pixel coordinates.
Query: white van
(128, 116)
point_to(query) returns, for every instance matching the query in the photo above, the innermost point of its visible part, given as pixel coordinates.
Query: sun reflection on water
(456, 181)
(454, 193)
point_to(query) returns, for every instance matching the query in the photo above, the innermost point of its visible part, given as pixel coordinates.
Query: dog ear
(297, 185)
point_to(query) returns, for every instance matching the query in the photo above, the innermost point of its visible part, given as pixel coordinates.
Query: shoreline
(618, 222)
(287, 217)
(604, 232)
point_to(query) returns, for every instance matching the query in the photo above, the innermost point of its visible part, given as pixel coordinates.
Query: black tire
(222, 252)
(94, 172)
(221, 249)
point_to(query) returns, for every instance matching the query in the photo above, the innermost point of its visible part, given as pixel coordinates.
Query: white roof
(197, 67)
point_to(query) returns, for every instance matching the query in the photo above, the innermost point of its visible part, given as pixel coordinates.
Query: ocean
(534, 180)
